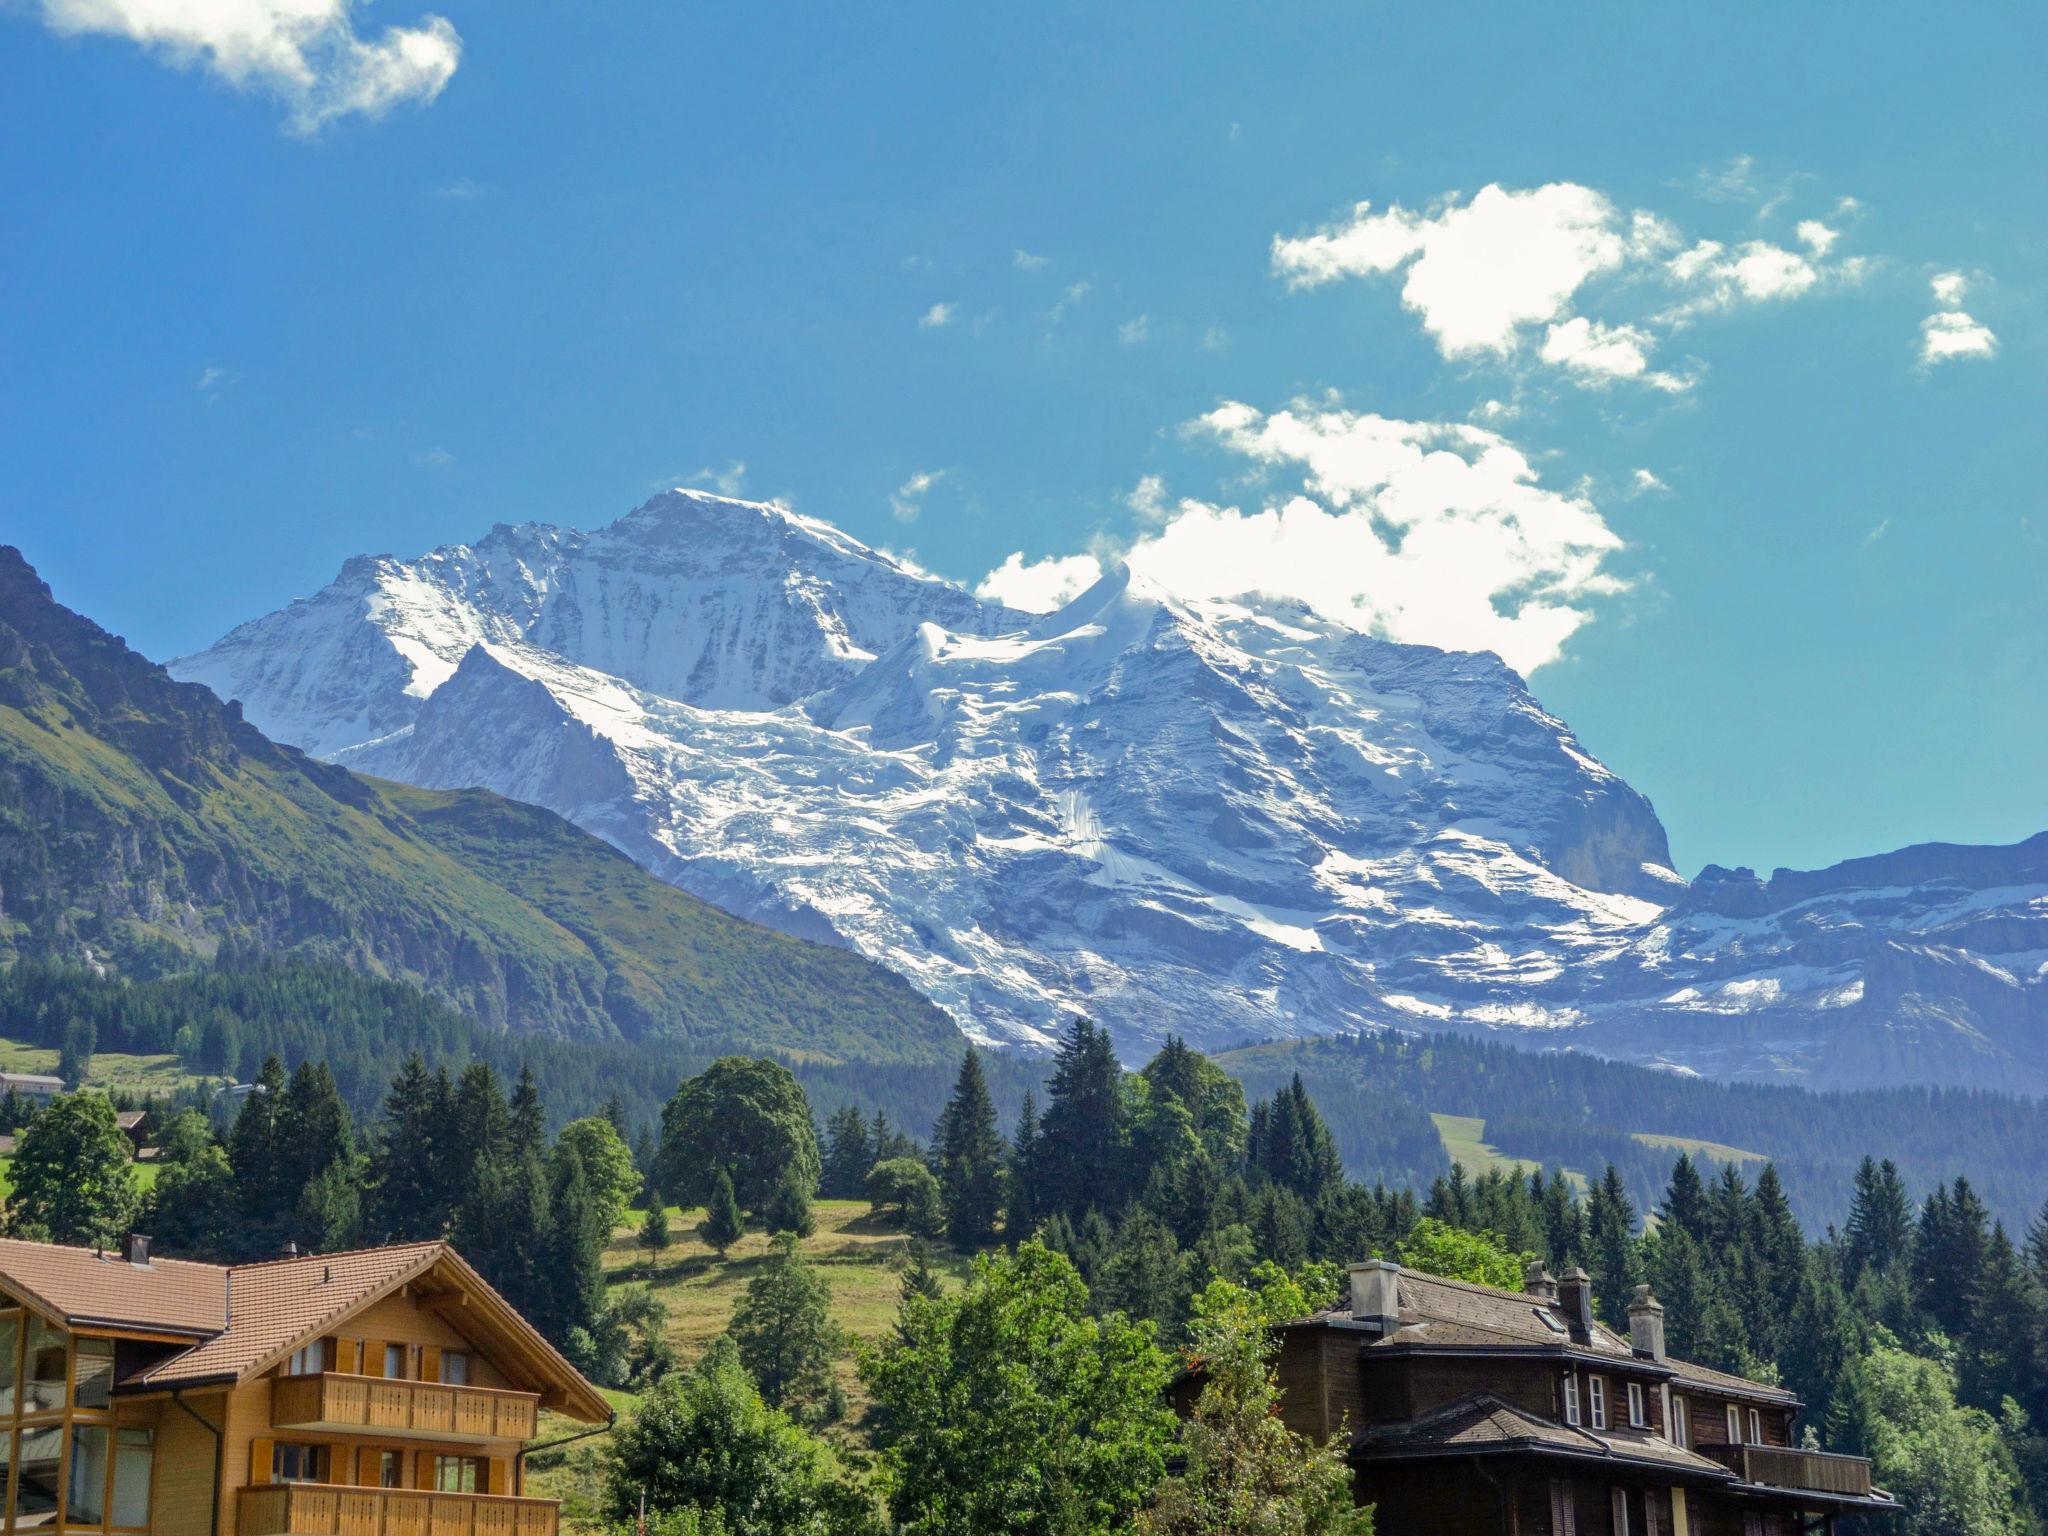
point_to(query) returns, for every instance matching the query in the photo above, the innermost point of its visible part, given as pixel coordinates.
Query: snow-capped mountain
(1223, 820)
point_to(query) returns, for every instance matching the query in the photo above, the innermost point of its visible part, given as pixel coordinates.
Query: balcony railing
(1773, 1466)
(323, 1509)
(388, 1405)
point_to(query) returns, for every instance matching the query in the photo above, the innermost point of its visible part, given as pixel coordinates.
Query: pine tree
(654, 1233)
(1949, 1253)
(256, 1154)
(1678, 1273)
(408, 1188)
(1142, 1275)
(526, 1121)
(849, 1154)
(2003, 1321)
(1880, 1220)
(1020, 1220)
(970, 1156)
(1610, 1222)
(1295, 1149)
(789, 1208)
(1781, 1250)
(1080, 1162)
(569, 1282)
(919, 1278)
(1685, 1200)
(1564, 1224)
(784, 1330)
(721, 1226)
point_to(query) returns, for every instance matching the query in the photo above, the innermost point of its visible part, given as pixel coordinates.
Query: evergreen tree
(849, 1154)
(1678, 1274)
(1080, 1161)
(654, 1233)
(1610, 1236)
(479, 1127)
(1295, 1148)
(1685, 1201)
(409, 1195)
(789, 1208)
(970, 1157)
(191, 1211)
(1143, 1275)
(1564, 1224)
(1020, 1220)
(1781, 1253)
(1949, 1253)
(721, 1226)
(261, 1165)
(919, 1277)
(1880, 1220)
(526, 1121)
(1997, 1357)
(568, 1284)
(784, 1331)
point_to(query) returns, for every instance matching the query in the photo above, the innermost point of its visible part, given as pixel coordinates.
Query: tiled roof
(1690, 1375)
(169, 1295)
(275, 1305)
(1434, 1310)
(1481, 1421)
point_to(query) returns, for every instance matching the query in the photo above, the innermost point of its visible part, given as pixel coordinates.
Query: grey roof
(1481, 1421)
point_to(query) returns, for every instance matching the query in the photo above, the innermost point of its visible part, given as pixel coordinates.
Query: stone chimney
(135, 1249)
(1376, 1294)
(1537, 1282)
(1575, 1295)
(1646, 1324)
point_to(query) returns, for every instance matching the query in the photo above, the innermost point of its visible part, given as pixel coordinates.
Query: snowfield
(1225, 820)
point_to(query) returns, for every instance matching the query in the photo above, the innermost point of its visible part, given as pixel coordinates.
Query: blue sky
(1693, 359)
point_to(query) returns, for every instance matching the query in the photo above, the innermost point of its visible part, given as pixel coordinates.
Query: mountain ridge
(1227, 820)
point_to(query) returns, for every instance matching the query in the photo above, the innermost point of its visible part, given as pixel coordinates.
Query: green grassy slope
(143, 824)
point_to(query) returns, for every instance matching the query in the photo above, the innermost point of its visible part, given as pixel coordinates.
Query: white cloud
(936, 316)
(1645, 483)
(1215, 339)
(1882, 527)
(1074, 293)
(906, 501)
(1026, 262)
(1476, 274)
(460, 190)
(304, 54)
(436, 457)
(1949, 289)
(1135, 330)
(729, 481)
(1148, 499)
(213, 380)
(1816, 236)
(1618, 351)
(1718, 278)
(1949, 333)
(1039, 586)
(1734, 182)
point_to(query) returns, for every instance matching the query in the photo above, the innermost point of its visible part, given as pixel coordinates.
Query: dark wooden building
(1478, 1412)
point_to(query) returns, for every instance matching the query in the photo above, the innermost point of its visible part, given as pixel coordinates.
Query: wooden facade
(1470, 1411)
(383, 1393)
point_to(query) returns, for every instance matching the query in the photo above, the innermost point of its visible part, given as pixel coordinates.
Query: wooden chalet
(385, 1392)
(1479, 1412)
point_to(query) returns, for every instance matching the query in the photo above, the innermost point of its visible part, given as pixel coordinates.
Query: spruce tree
(654, 1233)
(849, 1154)
(1295, 1148)
(1142, 1275)
(789, 1208)
(722, 1225)
(408, 1197)
(1880, 1220)
(1685, 1200)
(1949, 1253)
(1610, 1221)
(1080, 1161)
(1020, 1218)
(526, 1121)
(970, 1157)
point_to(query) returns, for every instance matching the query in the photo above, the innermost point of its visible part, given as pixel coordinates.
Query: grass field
(860, 1259)
(1719, 1151)
(111, 1071)
(145, 1175)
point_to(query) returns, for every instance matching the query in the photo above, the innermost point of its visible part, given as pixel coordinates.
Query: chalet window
(1652, 1521)
(1734, 1425)
(85, 1490)
(10, 1360)
(395, 1362)
(292, 1462)
(1636, 1416)
(1571, 1397)
(309, 1361)
(1681, 1423)
(35, 1483)
(48, 1358)
(134, 1461)
(391, 1469)
(1618, 1501)
(92, 1372)
(1596, 1387)
(1564, 1514)
(454, 1367)
(1756, 1428)
(458, 1474)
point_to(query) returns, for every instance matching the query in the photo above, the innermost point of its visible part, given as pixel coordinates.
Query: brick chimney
(1376, 1294)
(1575, 1295)
(1537, 1282)
(135, 1249)
(1646, 1324)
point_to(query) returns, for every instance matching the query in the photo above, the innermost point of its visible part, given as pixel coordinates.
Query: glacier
(1226, 820)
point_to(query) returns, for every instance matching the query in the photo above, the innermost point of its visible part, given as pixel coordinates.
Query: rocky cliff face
(1223, 820)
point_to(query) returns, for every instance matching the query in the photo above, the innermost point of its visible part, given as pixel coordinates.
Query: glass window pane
(47, 1353)
(10, 1360)
(93, 1376)
(455, 1367)
(85, 1497)
(134, 1459)
(391, 1469)
(35, 1492)
(394, 1361)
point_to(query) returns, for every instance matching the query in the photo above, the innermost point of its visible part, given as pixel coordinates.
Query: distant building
(31, 1085)
(1470, 1411)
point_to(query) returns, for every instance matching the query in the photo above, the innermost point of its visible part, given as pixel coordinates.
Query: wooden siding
(315, 1509)
(181, 1479)
(402, 1320)
(334, 1401)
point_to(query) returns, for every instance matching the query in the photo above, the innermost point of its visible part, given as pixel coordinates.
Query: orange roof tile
(82, 1286)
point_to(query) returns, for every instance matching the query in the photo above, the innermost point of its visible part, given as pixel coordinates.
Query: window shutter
(423, 1473)
(373, 1357)
(430, 1362)
(1618, 1500)
(1652, 1524)
(499, 1469)
(348, 1356)
(261, 1453)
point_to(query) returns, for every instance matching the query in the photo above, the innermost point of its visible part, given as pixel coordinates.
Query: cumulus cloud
(305, 54)
(1039, 586)
(1644, 483)
(1516, 275)
(936, 316)
(1949, 333)
(1025, 261)
(1949, 288)
(435, 457)
(1073, 294)
(1433, 532)
(1135, 330)
(907, 500)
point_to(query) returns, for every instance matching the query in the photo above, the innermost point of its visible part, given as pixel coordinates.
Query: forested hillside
(143, 824)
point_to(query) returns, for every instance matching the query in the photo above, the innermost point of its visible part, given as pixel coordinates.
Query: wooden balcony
(1773, 1466)
(426, 1409)
(324, 1509)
